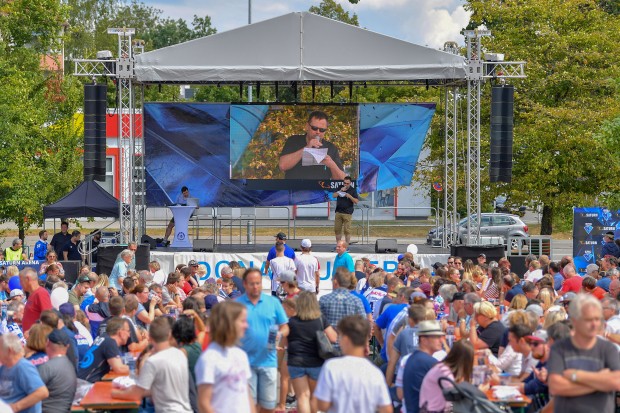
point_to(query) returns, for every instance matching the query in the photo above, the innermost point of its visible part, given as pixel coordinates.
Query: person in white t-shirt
(164, 376)
(277, 265)
(159, 277)
(308, 277)
(534, 272)
(352, 371)
(223, 370)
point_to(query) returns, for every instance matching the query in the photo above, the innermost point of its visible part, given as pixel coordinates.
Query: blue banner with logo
(589, 226)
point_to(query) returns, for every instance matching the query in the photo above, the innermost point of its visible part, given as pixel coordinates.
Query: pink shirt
(430, 392)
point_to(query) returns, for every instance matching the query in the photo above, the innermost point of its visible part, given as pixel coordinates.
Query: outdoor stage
(255, 256)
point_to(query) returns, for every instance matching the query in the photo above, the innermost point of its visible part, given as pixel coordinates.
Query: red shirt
(572, 284)
(187, 287)
(38, 302)
(599, 293)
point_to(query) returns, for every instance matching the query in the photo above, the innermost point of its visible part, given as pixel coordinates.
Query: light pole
(249, 22)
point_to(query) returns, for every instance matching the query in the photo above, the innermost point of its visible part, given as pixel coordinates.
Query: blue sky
(425, 22)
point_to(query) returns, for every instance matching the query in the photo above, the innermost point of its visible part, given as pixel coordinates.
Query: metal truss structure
(132, 214)
(132, 169)
(478, 71)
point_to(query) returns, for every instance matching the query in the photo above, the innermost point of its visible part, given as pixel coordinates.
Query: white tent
(297, 47)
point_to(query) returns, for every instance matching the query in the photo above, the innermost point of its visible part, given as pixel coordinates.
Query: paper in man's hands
(313, 156)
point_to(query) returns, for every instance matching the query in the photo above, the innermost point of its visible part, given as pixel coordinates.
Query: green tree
(333, 10)
(41, 143)
(570, 92)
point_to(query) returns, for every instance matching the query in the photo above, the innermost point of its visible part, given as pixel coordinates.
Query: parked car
(492, 225)
(501, 206)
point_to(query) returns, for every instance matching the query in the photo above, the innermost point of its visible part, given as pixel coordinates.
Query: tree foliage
(90, 19)
(40, 144)
(570, 92)
(333, 10)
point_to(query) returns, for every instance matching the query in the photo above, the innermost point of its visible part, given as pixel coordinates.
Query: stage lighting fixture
(110, 64)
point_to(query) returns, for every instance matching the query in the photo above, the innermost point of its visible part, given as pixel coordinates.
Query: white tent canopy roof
(297, 47)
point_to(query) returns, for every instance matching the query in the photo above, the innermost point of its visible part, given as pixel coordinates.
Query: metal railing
(536, 245)
(412, 221)
(85, 248)
(358, 228)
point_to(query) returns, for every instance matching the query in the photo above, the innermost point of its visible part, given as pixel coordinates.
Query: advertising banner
(589, 226)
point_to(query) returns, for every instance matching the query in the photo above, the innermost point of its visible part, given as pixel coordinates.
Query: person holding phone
(290, 157)
(346, 199)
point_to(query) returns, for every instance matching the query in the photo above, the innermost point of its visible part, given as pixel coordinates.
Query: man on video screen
(291, 156)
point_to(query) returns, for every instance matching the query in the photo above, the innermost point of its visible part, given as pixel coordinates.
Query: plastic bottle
(274, 337)
(131, 363)
(450, 335)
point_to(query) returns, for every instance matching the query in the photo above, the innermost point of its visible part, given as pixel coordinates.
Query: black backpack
(467, 398)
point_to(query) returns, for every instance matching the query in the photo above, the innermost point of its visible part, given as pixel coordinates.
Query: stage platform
(353, 248)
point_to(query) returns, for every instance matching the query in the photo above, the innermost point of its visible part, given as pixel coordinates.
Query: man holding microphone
(346, 198)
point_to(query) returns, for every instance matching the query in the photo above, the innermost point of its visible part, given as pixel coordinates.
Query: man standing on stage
(60, 239)
(346, 199)
(290, 157)
(181, 200)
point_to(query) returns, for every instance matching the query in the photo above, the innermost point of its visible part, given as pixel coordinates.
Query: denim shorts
(298, 372)
(264, 386)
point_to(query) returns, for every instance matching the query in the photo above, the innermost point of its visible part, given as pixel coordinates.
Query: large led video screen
(232, 155)
(280, 145)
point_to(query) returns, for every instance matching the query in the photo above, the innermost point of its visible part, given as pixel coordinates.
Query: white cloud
(438, 26)
(425, 22)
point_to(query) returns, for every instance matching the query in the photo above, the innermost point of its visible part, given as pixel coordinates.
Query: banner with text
(214, 262)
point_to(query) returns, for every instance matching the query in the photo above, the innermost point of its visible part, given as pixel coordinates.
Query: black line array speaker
(386, 245)
(95, 107)
(502, 109)
(106, 257)
(294, 243)
(203, 245)
(493, 253)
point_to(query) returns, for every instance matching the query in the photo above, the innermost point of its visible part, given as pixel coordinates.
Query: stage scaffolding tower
(478, 70)
(132, 213)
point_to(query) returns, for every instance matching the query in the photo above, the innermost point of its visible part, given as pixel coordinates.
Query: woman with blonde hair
(479, 278)
(545, 295)
(304, 362)
(103, 281)
(555, 314)
(489, 332)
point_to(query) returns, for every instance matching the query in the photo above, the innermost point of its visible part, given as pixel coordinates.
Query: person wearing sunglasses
(314, 138)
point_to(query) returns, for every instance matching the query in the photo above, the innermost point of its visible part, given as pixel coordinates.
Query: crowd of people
(376, 341)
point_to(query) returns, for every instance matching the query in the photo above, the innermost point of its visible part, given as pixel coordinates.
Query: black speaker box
(72, 269)
(106, 257)
(388, 245)
(517, 264)
(95, 108)
(295, 244)
(493, 252)
(203, 245)
(502, 108)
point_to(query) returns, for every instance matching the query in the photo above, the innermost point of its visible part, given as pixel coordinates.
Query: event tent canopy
(299, 46)
(87, 200)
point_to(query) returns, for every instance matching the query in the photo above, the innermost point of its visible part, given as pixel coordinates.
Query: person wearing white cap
(17, 295)
(308, 266)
